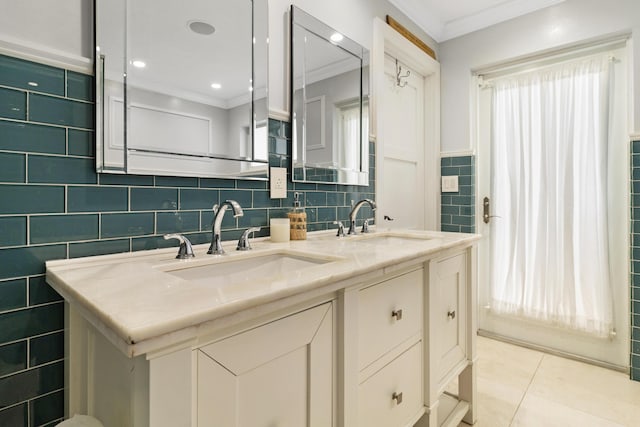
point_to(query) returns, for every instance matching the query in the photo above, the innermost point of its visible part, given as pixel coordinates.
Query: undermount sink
(382, 238)
(392, 239)
(238, 269)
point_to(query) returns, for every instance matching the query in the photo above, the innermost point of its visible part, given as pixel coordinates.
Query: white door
(402, 171)
(613, 350)
(406, 87)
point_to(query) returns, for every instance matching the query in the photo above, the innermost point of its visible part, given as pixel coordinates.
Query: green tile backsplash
(13, 104)
(24, 199)
(13, 231)
(97, 199)
(635, 260)
(79, 86)
(60, 111)
(458, 209)
(61, 170)
(20, 136)
(13, 357)
(13, 294)
(27, 75)
(12, 167)
(60, 228)
(56, 206)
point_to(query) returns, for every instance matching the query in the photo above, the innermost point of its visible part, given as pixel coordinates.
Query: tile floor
(518, 387)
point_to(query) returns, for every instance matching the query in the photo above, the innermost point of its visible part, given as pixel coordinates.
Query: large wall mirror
(329, 102)
(182, 87)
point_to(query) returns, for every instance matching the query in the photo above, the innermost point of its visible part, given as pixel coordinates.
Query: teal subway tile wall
(55, 206)
(458, 209)
(635, 260)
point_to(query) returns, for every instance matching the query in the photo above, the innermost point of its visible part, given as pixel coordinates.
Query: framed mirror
(329, 103)
(182, 87)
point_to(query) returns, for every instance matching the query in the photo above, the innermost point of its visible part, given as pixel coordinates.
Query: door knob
(486, 211)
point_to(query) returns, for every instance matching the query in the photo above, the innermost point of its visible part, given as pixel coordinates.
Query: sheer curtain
(549, 152)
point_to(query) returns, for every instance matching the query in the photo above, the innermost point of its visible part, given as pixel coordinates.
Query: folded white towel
(80, 421)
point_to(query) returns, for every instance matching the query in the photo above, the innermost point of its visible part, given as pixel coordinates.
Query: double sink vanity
(345, 331)
(366, 330)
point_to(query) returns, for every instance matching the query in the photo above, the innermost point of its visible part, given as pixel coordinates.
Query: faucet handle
(340, 228)
(186, 250)
(243, 242)
(365, 225)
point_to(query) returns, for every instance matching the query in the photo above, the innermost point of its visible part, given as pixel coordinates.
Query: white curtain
(550, 243)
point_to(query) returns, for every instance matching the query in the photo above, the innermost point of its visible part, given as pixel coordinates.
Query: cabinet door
(278, 374)
(447, 313)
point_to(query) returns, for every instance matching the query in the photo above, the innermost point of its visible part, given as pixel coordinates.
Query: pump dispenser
(297, 220)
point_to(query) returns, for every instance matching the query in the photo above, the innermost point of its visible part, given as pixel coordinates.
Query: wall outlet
(278, 178)
(450, 184)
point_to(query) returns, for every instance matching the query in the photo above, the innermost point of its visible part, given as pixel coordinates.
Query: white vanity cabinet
(278, 374)
(413, 333)
(376, 340)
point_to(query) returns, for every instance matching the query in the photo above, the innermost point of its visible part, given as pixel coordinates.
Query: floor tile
(537, 411)
(519, 387)
(591, 389)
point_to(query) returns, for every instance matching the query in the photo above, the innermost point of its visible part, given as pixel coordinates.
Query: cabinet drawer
(388, 314)
(392, 397)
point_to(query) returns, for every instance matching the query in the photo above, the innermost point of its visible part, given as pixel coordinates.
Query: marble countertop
(138, 297)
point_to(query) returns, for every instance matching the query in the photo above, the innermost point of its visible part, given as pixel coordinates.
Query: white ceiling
(447, 19)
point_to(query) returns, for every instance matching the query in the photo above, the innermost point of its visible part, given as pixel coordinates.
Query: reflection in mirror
(185, 93)
(329, 104)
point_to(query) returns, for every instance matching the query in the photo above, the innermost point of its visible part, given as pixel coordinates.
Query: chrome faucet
(218, 214)
(186, 250)
(354, 213)
(243, 242)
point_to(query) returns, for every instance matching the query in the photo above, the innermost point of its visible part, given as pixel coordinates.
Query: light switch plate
(450, 184)
(278, 183)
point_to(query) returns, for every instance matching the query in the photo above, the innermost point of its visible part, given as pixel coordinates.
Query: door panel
(403, 155)
(614, 350)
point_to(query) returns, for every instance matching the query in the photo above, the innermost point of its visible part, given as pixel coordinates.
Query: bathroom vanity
(367, 330)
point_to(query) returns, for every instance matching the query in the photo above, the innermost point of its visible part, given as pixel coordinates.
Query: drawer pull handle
(397, 314)
(451, 314)
(397, 397)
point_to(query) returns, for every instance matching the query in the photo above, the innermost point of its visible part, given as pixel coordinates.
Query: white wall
(570, 22)
(64, 28)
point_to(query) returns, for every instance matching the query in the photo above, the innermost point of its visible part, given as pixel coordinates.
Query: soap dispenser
(297, 220)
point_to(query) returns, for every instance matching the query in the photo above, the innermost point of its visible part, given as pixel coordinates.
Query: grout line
(524, 395)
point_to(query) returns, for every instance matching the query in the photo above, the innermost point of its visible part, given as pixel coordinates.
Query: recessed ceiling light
(138, 63)
(216, 85)
(201, 27)
(336, 37)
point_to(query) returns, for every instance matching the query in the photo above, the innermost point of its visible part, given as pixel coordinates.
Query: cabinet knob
(397, 397)
(397, 314)
(451, 314)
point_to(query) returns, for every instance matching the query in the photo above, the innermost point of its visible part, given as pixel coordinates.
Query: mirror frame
(188, 164)
(300, 20)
